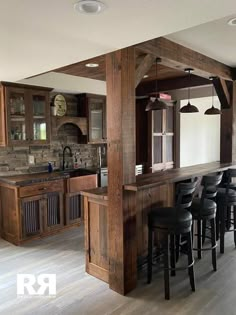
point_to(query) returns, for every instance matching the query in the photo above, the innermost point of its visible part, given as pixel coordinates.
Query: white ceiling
(215, 39)
(37, 36)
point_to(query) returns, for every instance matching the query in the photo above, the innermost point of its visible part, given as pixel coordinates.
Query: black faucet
(64, 151)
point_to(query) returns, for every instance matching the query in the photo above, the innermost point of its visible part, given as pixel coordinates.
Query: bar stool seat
(171, 219)
(208, 209)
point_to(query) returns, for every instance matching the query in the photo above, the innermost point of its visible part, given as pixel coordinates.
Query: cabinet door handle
(43, 188)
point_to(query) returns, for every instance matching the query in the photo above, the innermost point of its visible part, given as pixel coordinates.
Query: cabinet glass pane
(39, 105)
(39, 129)
(96, 124)
(17, 104)
(157, 149)
(157, 121)
(169, 149)
(17, 129)
(169, 119)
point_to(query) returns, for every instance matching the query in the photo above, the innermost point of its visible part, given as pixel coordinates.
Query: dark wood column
(120, 77)
(228, 131)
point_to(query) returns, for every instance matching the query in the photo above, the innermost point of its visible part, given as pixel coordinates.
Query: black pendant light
(157, 104)
(212, 110)
(189, 108)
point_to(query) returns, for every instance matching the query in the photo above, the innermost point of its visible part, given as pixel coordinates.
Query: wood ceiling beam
(143, 68)
(224, 92)
(177, 56)
(145, 88)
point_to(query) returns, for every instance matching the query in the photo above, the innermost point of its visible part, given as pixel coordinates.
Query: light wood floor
(80, 294)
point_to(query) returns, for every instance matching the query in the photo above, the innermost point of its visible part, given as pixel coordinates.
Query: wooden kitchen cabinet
(24, 115)
(41, 214)
(94, 108)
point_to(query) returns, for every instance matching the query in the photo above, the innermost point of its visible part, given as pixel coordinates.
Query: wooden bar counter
(154, 189)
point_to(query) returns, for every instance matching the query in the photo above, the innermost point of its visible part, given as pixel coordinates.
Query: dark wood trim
(120, 69)
(174, 55)
(148, 87)
(143, 68)
(223, 91)
(25, 86)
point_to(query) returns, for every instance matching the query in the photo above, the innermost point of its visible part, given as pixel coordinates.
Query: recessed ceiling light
(92, 65)
(145, 76)
(232, 22)
(89, 6)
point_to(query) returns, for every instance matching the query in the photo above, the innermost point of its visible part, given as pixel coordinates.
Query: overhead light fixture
(189, 108)
(89, 6)
(232, 22)
(157, 104)
(212, 110)
(92, 65)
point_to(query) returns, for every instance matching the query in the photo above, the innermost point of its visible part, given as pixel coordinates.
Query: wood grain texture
(143, 67)
(80, 293)
(147, 181)
(96, 237)
(222, 92)
(120, 69)
(228, 130)
(174, 55)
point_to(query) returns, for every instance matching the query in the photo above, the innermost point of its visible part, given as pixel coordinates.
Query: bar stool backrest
(230, 175)
(184, 193)
(210, 183)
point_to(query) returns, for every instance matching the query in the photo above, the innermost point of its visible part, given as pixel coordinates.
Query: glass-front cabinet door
(16, 99)
(39, 127)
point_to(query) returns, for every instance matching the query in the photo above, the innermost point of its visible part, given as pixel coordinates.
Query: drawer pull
(43, 188)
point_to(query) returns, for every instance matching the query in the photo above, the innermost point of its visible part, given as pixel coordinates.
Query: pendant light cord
(156, 79)
(212, 94)
(189, 78)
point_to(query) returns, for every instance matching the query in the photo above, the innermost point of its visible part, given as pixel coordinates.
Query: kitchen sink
(76, 172)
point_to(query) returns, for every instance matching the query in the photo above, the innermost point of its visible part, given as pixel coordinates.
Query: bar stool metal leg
(172, 254)
(166, 266)
(199, 238)
(222, 230)
(190, 261)
(150, 250)
(213, 243)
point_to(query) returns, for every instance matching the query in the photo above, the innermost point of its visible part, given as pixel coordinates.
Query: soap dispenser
(50, 168)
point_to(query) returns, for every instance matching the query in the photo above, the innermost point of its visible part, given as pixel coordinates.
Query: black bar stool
(226, 199)
(171, 221)
(204, 209)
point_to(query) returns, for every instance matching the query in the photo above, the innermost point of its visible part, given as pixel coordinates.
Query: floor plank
(80, 294)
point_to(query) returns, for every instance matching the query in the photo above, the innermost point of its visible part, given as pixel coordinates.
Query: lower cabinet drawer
(42, 188)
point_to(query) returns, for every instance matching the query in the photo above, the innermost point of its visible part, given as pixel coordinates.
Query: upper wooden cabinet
(24, 116)
(94, 108)
(162, 138)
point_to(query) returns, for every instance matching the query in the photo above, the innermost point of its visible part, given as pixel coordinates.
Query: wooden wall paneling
(96, 238)
(9, 214)
(120, 69)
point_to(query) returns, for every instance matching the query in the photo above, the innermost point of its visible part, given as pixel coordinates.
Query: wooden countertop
(28, 179)
(98, 193)
(175, 175)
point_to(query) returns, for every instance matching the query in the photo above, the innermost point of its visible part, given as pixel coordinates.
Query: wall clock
(60, 105)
